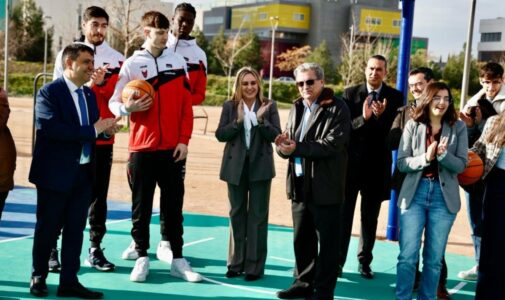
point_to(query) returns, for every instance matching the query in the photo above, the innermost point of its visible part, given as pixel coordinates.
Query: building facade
(303, 22)
(491, 46)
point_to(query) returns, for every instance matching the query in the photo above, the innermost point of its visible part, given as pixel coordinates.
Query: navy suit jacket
(60, 136)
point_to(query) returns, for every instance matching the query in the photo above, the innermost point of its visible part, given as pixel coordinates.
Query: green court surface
(206, 242)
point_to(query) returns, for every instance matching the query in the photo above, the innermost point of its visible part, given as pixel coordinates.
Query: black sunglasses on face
(307, 82)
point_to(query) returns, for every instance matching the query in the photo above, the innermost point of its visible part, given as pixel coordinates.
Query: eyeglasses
(438, 99)
(309, 82)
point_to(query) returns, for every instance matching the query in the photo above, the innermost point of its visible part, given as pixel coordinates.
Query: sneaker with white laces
(471, 274)
(141, 269)
(164, 252)
(181, 268)
(130, 253)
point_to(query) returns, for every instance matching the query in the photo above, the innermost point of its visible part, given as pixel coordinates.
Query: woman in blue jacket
(433, 150)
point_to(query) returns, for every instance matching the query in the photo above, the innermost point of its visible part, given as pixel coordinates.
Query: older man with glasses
(315, 143)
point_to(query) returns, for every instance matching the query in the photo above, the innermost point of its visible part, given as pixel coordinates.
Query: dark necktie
(86, 149)
(375, 96)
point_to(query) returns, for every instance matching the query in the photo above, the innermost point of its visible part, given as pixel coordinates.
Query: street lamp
(274, 21)
(46, 29)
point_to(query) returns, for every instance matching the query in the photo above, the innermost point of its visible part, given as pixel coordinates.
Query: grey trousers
(249, 203)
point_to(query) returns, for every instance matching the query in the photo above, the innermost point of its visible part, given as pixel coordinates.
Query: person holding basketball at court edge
(433, 150)
(159, 135)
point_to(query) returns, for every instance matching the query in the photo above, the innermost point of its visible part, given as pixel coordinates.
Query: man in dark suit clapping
(67, 123)
(373, 107)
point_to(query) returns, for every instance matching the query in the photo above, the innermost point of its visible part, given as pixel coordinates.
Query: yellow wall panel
(290, 16)
(380, 21)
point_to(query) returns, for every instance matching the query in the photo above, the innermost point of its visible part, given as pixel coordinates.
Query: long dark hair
(422, 113)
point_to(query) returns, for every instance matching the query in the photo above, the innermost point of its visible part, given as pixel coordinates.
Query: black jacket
(323, 150)
(369, 157)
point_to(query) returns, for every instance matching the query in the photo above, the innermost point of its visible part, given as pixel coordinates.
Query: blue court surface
(206, 246)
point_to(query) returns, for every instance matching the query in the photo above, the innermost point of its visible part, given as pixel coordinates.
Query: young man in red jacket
(159, 135)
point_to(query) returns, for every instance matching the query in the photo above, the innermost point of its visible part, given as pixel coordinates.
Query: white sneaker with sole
(164, 252)
(181, 268)
(471, 274)
(130, 253)
(141, 269)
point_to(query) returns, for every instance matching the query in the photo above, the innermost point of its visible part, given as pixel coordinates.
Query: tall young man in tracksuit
(160, 129)
(108, 61)
(180, 42)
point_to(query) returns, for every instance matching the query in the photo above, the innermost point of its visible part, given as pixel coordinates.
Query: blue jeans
(474, 198)
(427, 212)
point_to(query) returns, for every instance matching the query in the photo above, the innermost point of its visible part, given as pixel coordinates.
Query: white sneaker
(141, 269)
(164, 252)
(471, 274)
(181, 268)
(130, 253)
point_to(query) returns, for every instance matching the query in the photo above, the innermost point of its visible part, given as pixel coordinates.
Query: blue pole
(401, 85)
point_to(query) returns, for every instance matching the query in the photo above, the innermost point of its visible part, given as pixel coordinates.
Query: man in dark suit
(62, 169)
(315, 142)
(373, 107)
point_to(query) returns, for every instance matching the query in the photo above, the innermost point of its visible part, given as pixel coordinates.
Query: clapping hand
(240, 112)
(284, 144)
(260, 114)
(98, 75)
(378, 107)
(367, 108)
(431, 151)
(442, 146)
(108, 124)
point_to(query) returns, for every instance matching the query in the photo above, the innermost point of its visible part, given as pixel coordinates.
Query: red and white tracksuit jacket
(104, 55)
(169, 121)
(197, 65)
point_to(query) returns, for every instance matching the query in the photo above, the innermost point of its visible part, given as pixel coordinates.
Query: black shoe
(38, 287)
(232, 274)
(365, 271)
(77, 290)
(294, 292)
(97, 260)
(54, 262)
(251, 277)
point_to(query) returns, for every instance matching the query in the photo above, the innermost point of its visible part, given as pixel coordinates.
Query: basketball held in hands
(473, 171)
(138, 88)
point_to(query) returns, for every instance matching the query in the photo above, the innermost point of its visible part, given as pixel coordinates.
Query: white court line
(457, 288)
(197, 242)
(283, 259)
(239, 287)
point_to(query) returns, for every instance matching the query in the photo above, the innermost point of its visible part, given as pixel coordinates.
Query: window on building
(213, 20)
(246, 18)
(298, 17)
(490, 37)
(397, 23)
(373, 21)
(262, 16)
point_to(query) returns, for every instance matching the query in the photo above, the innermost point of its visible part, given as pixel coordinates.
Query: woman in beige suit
(433, 150)
(249, 124)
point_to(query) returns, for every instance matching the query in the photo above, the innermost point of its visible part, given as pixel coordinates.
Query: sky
(445, 23)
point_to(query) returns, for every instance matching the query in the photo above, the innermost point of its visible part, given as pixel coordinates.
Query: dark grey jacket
(261, 160)
(323, 150)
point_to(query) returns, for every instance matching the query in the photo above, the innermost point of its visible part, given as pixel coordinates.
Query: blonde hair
(496, 134)
(237, 85)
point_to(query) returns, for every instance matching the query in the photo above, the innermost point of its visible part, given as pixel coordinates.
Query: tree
(322, 56)
(291, 58)
(453, 72)
(227, 53)
(126, 34)
(27, 33)
(216, 45)
(251, 55)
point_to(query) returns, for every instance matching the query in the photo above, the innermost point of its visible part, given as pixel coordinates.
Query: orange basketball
(473, 171)
(138, 88)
